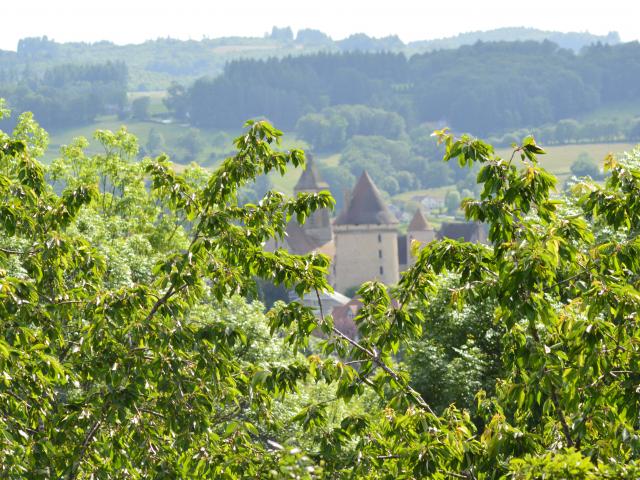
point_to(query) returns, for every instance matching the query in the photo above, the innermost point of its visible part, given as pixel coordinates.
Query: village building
(344, 317)
(322, 303)
(467, 231)
(419, 230)
(363, 241)
(318, 226)
(366, 239)
(316, 234)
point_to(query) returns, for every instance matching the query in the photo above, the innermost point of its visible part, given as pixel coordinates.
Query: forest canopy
(485, 88)
(69, 94)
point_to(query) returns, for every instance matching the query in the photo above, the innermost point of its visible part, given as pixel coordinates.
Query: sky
(134, 21)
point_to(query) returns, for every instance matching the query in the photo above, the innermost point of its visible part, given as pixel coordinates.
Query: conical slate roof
(310, 179)
(419, 223)
(298, 241)
(466, 230)
(366, 206)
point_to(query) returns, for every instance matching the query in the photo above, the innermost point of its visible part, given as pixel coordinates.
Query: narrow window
(381, 270)
(379, 253)
(379, 238)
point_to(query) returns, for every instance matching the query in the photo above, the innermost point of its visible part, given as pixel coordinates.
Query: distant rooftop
(468, 231)
(419, 223)
(310, 179)
(298, 241)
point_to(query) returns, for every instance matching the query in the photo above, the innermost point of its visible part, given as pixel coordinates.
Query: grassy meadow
(559, 158)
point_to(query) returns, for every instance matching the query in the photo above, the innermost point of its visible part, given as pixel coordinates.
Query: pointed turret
(366, 206)
(419, 229)
(419, 223)
(366, 239)
(318, 226)
(310, 180)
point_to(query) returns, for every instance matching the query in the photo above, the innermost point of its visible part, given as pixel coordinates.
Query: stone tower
(366, 239)
(419, 229)
(318, 226)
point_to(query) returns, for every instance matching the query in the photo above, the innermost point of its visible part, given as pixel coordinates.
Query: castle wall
(364, 253)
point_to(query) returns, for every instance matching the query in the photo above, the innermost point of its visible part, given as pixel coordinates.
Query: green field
(217, 144)
(559, 158)
(437, 192)
(331, 160)
(156, 106)
(170, 132)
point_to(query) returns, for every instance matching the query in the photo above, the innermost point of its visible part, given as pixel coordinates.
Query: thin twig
(10, 251)
(563, 421)
(73, 473)
(375, 358)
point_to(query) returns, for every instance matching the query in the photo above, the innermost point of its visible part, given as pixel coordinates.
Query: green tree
(309, 36)
(333, 126)
(323, 133)
(340, 180)
(93, 284)
(452, 201)
(282, 34)
(191, 143)
(459, 352)
(567, 130)
(406, 181)
(381, 157)
(140, 108)
(155, 142)
(140, 368)
(177, 101)
(634, 131)
(584, 166)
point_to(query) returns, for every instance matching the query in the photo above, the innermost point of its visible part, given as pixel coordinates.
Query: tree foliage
(155, 64)
(584, 166)
(140, 108)
(459, 352)
(142, 367)
(334, 125)
(112, 360)
(68, 94)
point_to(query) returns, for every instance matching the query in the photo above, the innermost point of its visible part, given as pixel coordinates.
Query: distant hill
(486, 88)
(572, 40)
(154, 64)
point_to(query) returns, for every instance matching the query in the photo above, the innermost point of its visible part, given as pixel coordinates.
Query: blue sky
(133, 21)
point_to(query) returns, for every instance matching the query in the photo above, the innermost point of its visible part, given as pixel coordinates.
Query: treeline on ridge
(67, 95)
(154, 64)
(486, 88)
